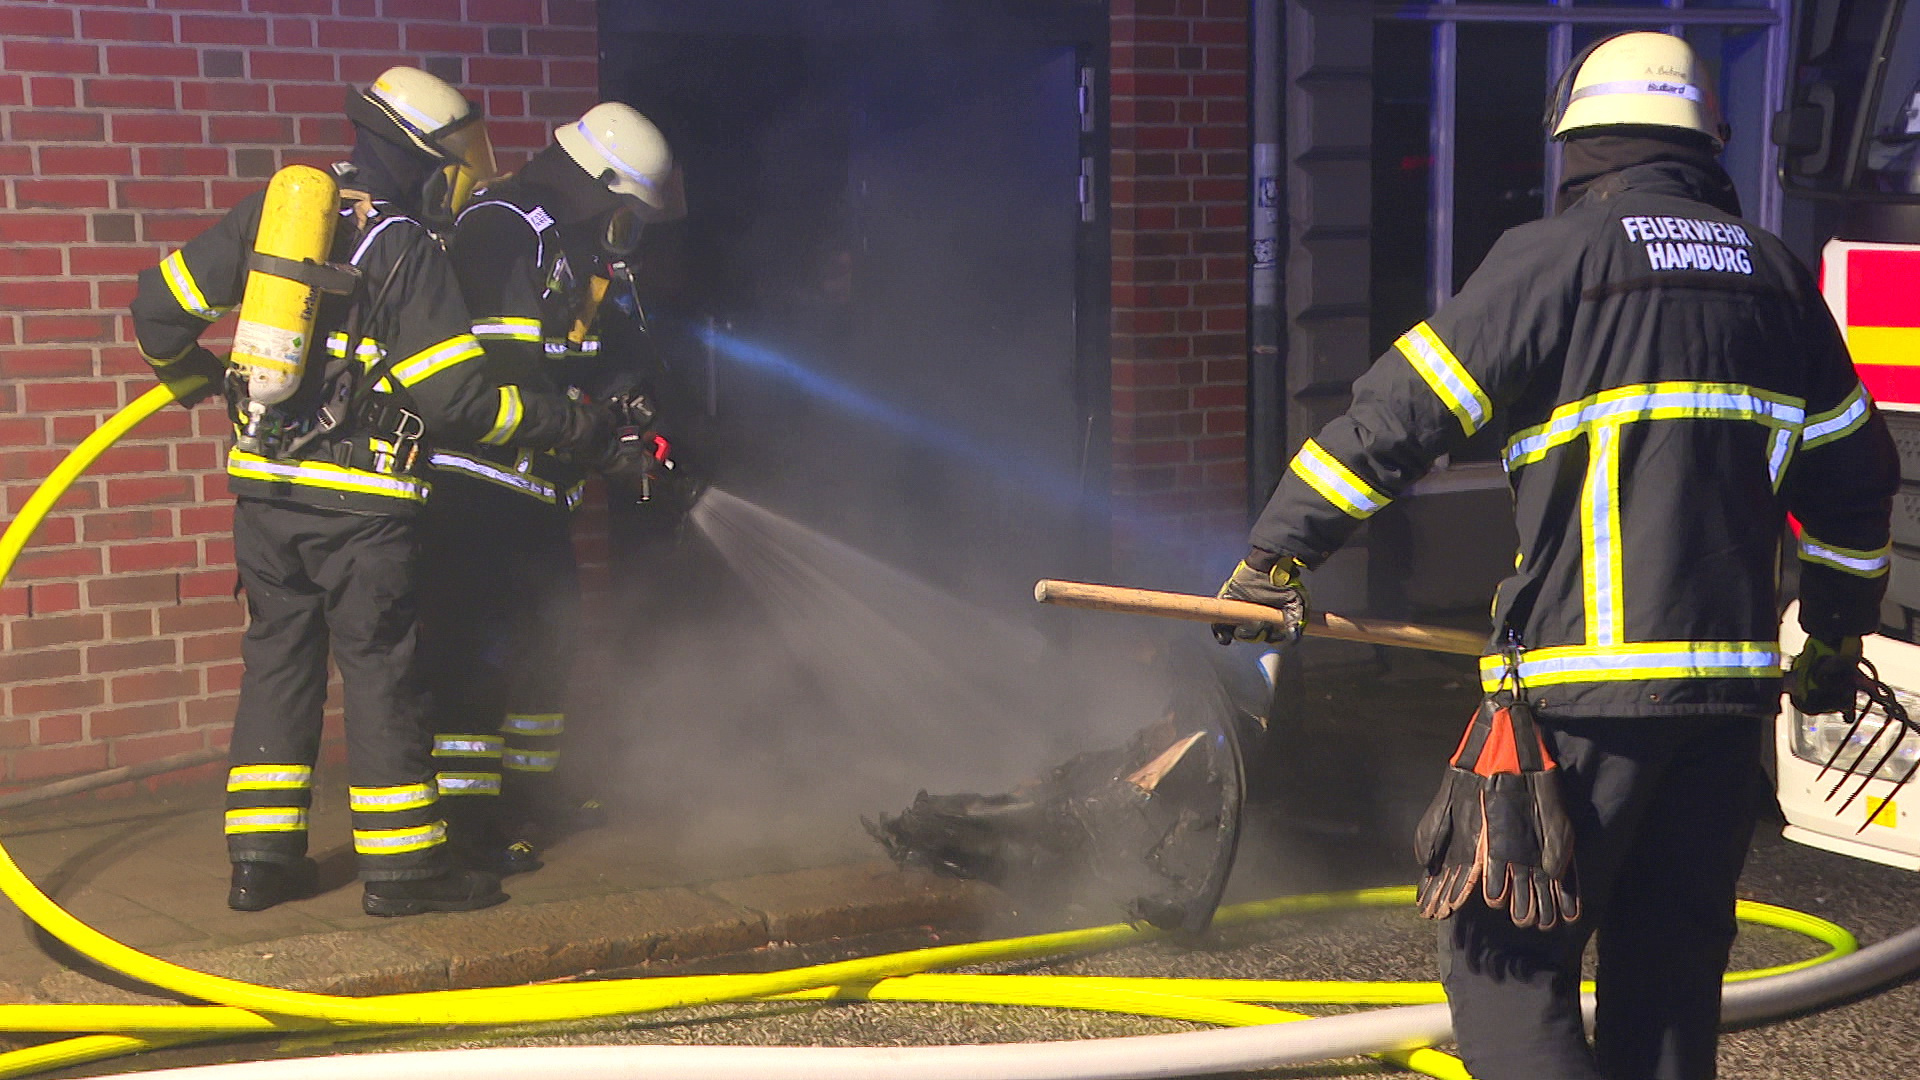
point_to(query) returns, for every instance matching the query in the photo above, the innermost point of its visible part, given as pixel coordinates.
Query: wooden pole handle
(1208, 609)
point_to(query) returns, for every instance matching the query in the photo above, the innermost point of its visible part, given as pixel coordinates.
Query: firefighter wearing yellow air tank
(352, 349)
(544, 260)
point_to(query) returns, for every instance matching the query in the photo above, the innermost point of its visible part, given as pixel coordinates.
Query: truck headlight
(1816, 737)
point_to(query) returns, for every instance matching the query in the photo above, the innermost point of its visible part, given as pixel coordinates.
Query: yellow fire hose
(240, 1008)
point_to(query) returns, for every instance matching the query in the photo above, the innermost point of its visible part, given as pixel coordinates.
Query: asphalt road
(1372, 742)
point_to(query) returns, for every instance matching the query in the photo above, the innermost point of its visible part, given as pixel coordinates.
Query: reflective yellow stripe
(1654, 401)
(269, 777)
(1838, 422)
(1336, 483)
(267, 819)
(1444, 375)
(399, 841)
(324, 474)
(1600, 559)
(507, 420)
(430, 362)
(368, 350)
(384, 800)
(1639, 661)
(1860, 562)
(531, 760)
(468, 783)
(186, 291)
(534, 723)
(480, 746)
(507, 328)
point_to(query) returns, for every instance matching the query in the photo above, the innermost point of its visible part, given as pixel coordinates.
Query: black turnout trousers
(500, 590)
(1663, 811)
(317, 580)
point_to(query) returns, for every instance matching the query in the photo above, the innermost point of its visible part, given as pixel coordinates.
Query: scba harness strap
(351, 408)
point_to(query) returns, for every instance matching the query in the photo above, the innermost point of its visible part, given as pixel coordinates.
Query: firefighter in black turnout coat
(1670, 387)
(327, 498)
(541, 257)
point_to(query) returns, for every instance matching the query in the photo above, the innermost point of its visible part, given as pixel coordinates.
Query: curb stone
(515, 944)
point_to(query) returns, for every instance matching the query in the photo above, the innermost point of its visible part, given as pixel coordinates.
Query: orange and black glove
(1278, 587)
(1497, 828)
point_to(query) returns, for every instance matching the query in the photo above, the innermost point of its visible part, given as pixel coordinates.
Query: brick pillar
(1179, 198)
(128, 131)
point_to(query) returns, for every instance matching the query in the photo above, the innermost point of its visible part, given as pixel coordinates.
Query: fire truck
(1849, 139)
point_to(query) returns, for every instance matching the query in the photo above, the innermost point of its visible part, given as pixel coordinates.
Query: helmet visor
(621, 233)
(470, 165)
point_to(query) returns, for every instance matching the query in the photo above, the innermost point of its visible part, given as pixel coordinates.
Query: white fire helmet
(1637, 79)
(622, 149)
(422, 109)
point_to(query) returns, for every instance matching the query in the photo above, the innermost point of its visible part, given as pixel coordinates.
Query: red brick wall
(1179, 195)
(128, 126)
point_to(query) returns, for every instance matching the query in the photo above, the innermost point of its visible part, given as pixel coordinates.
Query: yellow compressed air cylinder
(275, 330)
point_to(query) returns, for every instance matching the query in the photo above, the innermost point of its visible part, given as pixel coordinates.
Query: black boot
(455, 890)
(258, 886)
(484, 846)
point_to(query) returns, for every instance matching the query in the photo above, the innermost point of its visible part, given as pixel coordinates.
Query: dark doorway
(883, 291)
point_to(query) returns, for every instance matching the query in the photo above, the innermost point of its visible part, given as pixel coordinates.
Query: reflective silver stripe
(613, 159)
(1600, 556)
(1336, 483)
(467, 746)
(537, 219)
(555, 348)
(399, 841)
(268, 777)
(1639, 662)
(531, 760)
(1826, 427)
(1446, 377)
(1856, 561)
(589, 347)
(576, 493)
(366, 241)
(1652, 401)
(534, 723)
(1779, 452)
(267, 819)
(486, 470)
(1656, 87)
(390, 799)
(455, 784)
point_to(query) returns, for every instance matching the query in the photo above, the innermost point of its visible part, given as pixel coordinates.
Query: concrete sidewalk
(151, 871)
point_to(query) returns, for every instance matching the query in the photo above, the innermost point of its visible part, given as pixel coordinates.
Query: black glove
(636, 463)
(587, 435)
(1279, 588)
(1825, 677)
(178, 376)
(1497, 824)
